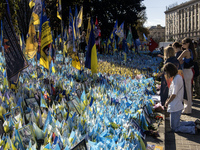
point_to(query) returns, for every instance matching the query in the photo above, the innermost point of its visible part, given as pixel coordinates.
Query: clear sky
(155, 11)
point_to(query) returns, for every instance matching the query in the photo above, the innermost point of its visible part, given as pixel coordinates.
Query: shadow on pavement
(170, 141)
(177, 141)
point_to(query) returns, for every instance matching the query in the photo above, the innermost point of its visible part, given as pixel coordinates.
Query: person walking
(186, 58)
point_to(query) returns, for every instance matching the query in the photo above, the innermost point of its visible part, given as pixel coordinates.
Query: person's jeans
(184, 126)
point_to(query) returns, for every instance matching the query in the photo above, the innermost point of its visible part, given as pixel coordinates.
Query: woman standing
(186, 58)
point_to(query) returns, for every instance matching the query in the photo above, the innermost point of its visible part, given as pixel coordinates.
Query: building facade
(157, 33)
(183, 21)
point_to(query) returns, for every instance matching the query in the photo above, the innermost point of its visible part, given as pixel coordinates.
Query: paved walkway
(181, 141)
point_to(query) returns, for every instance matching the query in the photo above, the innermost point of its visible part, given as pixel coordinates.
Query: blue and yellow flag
(72, 35)
(80, 17)
(59, 9)
(43, 102)
(91, 54)
(31, 3)
(52, 68)
(75, 20)
(120, 31)
(76, 63)
(46, 38)
(145, 38)
(31, 41)
(88, 31)
(115, 27)
(36, 14)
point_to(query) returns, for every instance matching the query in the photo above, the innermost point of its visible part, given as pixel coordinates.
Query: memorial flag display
(71, 98)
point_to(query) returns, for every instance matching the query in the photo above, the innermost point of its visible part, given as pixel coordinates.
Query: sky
(155, 11)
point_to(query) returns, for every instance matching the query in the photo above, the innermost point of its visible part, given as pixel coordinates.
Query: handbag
(189, 65)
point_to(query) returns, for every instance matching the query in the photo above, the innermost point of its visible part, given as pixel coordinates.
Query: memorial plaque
(80, 146)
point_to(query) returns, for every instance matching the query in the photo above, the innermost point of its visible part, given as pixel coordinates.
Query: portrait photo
(32, 103)
(26, 135)
(17, 113)
(7, 116)
(80, 146)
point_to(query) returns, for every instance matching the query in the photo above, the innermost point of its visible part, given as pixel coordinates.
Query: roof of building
(181, 6)
(156, 27)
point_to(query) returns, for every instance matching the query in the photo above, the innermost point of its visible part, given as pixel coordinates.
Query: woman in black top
(177, 48)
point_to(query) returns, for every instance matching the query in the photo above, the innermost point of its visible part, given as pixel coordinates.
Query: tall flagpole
(61, 25)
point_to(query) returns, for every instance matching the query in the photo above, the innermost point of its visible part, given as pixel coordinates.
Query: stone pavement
(159, 141)
(181, 141)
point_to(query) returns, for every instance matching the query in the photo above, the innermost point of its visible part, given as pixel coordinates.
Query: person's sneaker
(167, 118)
(197, 121)
(197, 129)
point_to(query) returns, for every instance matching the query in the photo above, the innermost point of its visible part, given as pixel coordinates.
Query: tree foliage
(14, 7)
(107, 12)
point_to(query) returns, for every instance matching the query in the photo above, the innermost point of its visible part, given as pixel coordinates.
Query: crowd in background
(180, 82)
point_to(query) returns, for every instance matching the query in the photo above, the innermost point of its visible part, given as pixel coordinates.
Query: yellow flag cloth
(31, 42)
(88, 31)
(80, 18)
(32, 3)
(76, 63)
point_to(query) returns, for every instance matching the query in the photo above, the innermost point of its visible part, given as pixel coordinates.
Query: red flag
(96, 23)
(152, 45)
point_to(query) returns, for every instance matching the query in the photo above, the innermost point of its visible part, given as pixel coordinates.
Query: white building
(183, 21)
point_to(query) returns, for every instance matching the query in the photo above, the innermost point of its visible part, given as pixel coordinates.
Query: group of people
(177, 84)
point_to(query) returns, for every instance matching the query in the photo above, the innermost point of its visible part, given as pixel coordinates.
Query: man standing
(196, 79)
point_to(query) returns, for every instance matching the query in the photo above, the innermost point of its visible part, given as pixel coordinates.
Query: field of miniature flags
(69, 108)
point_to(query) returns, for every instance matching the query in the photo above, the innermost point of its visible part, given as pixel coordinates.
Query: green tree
(140, 25)
(106, 11)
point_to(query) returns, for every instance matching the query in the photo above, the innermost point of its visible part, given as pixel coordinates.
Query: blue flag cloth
(115, 27)
(124, 46)
(145, 38)
(137, 42)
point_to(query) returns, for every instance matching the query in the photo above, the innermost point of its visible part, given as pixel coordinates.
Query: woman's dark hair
(191, 46)
(177, 45)
(170, 69)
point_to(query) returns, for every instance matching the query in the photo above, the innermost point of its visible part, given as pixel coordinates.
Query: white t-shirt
(176, 88)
